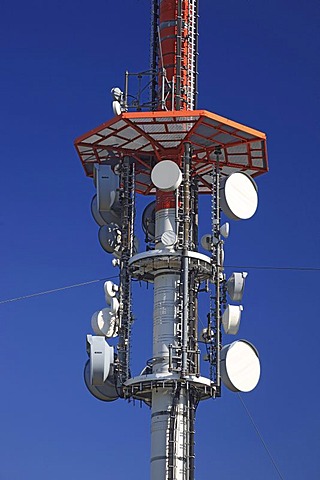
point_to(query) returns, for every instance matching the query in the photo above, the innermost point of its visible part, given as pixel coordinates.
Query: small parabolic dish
(168, 238)
(102, 218)
(231, 319)
(235, 285)
(106, 392)
(225, 230)
(110, 290)
(207, 240)
(240, 366)
(110, 238)
(166, 175)
(239, 197)
(105, 322)
(149, 221)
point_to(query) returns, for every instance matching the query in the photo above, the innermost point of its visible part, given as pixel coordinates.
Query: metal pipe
(172, 93)
(126, 89)
(163, 84)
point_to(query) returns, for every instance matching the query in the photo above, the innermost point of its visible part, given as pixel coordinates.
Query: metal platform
(144, 266)
(148, 137)
(140, 387)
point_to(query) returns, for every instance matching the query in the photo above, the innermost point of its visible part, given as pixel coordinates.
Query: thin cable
(46, 292)
(261, 267)
(261, 437)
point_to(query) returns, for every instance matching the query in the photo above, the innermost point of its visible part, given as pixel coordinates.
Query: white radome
(168, 238)
(240, 366)
(105, 323)
(231, 319)
(239, 197)
(166, 175)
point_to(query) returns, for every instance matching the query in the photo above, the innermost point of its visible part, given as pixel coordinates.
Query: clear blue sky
(259, 65)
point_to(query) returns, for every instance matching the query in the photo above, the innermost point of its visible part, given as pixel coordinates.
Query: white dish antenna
(225, 230)
(208, 240)
(231, 319)
(110, 290)
(240, 366)
(105, 322)
(117, 94)
(110, 238)
(235, 285)
(149, 221)
(103, 218)
(106, 392)
(166, 175)
(168, 238)
(239, 197)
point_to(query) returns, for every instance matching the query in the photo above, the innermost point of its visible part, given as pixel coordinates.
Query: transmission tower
(159, 145)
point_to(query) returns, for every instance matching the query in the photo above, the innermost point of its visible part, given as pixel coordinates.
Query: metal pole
(126, 89)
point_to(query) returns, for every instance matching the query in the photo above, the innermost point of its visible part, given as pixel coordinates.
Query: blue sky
(259, 65)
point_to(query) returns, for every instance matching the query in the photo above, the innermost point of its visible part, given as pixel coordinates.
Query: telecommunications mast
(160, 145)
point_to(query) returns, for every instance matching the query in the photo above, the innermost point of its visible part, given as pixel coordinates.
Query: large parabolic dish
(240, 366)
(239, 197)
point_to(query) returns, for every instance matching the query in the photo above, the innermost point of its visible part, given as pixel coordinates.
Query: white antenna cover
(235, 285)
(110, 238)
(116, 93)
(116, 108)
(110, 290)
(149, 221)
(107, 183)
(207, 240)
(231, 319)
(106, 392)
(240, 366)
(105, 322)
(221, 256)
(168, 238)
(225, 230)
(101, 357)
(239, 197)
(103, 218)
(166, 175)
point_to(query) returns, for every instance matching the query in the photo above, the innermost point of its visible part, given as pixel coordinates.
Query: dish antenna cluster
(163, 147)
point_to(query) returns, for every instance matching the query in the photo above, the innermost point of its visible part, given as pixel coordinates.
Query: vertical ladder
(127, 201)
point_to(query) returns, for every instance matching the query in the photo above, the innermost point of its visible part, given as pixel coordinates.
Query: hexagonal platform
(148, 137)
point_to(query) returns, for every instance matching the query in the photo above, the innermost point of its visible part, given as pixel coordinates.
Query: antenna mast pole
(172, 420)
